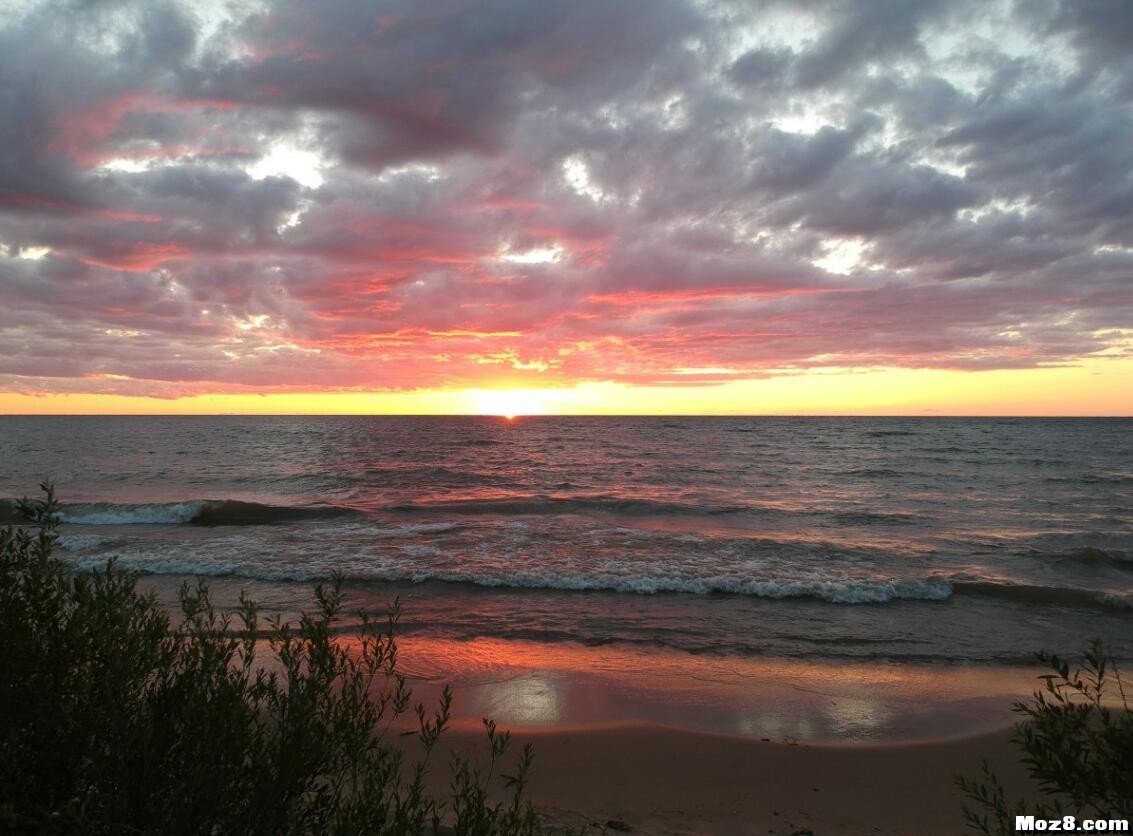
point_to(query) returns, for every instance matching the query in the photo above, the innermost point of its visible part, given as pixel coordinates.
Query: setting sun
(508, 403)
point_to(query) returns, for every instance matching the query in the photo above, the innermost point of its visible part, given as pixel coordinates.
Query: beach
(638, 739)
(659, 780)
(669, 742)
(812, 748)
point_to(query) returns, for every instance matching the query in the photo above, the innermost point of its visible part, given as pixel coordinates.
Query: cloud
(396, 195)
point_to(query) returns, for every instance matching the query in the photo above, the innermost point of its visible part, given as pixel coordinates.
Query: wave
(866, 518)
(1094, 479)
(836, 591)
(543, 504)
(1085, 547)
(1036, 594)
(540, 504)
(789, 586)
(1094, 556)
(80, 542)
(152, 513)
(234, 512)
(415, 529)
(875, 473)
(195, 512)
(431, 475)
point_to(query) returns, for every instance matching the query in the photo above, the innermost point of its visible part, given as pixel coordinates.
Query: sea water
(896, 539)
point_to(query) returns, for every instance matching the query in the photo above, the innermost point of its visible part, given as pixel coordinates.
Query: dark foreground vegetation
(1076, 738)
(114, 718)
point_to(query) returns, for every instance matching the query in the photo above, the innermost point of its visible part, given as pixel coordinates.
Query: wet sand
(535, 686)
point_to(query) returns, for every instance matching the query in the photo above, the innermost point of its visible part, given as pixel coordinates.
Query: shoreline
(671, 743)
(534, 686)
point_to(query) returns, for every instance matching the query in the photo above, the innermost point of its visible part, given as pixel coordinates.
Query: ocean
(905, 540)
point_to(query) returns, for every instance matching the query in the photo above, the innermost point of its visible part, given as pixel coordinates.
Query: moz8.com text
(1069, 824)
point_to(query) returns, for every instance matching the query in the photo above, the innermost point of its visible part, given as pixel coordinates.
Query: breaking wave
(836, 591)
(195, 512)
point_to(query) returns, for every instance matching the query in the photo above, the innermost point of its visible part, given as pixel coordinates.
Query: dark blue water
(925, 539)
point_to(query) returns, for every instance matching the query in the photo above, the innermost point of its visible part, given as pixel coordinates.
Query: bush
(114, 719)
(1077, 745)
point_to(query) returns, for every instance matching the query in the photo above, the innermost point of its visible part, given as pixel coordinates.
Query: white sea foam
(158, 513)
(416, 529)
(80, 542)
(418, 563)
(203, 565)
(1116, 599)
(839, 592)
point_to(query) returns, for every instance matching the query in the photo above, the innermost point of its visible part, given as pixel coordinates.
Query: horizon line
(517, 417)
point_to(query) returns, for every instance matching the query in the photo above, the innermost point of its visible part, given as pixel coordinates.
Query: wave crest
(194, 512)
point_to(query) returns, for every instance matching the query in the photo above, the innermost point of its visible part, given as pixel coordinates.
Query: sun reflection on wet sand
(529, 700)
(539, 686)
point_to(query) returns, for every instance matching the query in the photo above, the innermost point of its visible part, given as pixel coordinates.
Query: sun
(509, 403)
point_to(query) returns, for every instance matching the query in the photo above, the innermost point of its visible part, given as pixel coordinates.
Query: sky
(612, 206)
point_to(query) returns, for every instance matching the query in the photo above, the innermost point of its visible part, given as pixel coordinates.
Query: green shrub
(1077, 744)
(115, 719)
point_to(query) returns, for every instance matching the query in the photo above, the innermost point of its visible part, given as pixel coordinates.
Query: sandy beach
(664, 781)
(810, 748)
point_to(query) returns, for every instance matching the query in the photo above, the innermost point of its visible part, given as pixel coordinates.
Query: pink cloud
(557, 193)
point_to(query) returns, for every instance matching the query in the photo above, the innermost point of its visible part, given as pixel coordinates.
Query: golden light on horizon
(1098, 386)
(274, 251)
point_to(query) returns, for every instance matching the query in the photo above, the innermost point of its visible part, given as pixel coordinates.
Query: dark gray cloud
(351, 194)
(877, 32)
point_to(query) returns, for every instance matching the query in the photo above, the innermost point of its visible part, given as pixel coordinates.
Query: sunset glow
(509, 403)
(1093, 389)
(598, 207)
